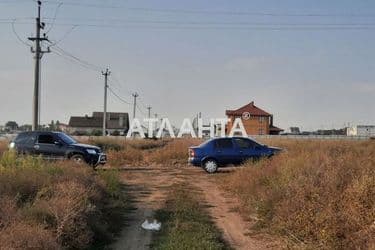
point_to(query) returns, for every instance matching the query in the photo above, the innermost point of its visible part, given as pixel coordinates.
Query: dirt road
(148, 187)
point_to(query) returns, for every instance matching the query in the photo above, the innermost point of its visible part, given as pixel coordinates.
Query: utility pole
(38, 56)
(135, 95)
(149, 111)
(105, 74)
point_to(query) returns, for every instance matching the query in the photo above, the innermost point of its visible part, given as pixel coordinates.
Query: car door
(29, 143)
(48, 145)
(247, 148)
(225, 152)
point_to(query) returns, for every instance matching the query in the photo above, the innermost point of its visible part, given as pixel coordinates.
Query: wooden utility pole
(38, 56)
(105, 74)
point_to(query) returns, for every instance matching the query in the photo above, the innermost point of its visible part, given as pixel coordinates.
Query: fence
(312, 137)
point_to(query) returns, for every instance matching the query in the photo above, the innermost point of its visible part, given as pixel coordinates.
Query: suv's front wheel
(210, 166)
(78, 159)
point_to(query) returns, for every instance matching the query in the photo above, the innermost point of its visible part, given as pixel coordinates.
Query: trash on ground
(154, 226)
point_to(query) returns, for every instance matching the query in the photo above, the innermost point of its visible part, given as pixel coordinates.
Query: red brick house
(255, 120)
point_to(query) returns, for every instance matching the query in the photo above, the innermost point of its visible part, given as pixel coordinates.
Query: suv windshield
(67, 139)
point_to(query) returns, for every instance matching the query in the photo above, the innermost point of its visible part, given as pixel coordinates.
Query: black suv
(57, 145)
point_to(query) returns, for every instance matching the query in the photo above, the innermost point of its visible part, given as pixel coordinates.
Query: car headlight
(12, 145)
(91, 151)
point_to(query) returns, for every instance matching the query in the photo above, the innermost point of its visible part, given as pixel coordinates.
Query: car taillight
(191, 152)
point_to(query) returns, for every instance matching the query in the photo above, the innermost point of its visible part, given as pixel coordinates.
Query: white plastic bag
(154, 226)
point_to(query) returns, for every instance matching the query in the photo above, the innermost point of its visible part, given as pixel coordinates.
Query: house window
(261, 119)
(261, 131)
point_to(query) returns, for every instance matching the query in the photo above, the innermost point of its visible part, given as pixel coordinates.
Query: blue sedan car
(220, 152)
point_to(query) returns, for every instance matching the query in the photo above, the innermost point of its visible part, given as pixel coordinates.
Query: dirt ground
(148, 188)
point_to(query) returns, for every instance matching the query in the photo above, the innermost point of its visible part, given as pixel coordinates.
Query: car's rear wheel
(210, 166)
(78, 159)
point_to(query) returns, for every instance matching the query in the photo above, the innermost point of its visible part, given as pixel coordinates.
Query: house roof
(110, 115)
(85, 121)
(274, 128)
(250, 108)
(97, 121)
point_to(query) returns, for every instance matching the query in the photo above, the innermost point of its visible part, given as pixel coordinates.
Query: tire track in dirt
(223, 209)
(148, 188)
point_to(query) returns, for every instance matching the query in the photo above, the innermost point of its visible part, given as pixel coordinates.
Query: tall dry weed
(61, 204)
(317, 193)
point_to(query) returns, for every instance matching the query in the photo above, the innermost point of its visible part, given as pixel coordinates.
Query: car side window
(21, 138)
(31, 139)
(46, 139)
(224, 143)
(244, 143)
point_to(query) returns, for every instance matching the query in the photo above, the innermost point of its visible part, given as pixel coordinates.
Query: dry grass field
(59, 205)
(315, 194)
(145, 152)
(318, 194)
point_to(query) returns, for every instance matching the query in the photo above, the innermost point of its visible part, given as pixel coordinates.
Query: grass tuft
(185, 223)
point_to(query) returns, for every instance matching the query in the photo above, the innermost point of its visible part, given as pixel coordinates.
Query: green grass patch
(186, 223)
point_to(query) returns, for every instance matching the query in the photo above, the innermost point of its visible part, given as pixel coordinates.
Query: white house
(361, 130)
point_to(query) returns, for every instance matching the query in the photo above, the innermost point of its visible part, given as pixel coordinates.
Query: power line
(64, 36)
(73, 61)
(88, 64)
(213, 12)
(140, 110)
(118, 97)
(260, 27)
(119, 83)
(17, 36)
(54, 18)
(96, 21)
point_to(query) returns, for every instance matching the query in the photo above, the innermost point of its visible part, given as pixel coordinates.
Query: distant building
(295, 130)
(63, 127)
(361, 130)
(116, 122)
(255, 120)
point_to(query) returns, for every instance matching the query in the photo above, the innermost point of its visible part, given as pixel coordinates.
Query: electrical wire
(140, 110)
(17, 36)
(64, 36)
(119, 83)
(118, 97)
(54, 18)
(91, 65)
(73, 61)
(212, 12)
(260, 27)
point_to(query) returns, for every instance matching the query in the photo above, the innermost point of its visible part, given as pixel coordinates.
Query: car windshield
(67, 139)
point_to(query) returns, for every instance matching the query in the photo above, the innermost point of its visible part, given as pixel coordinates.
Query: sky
(310, 63)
